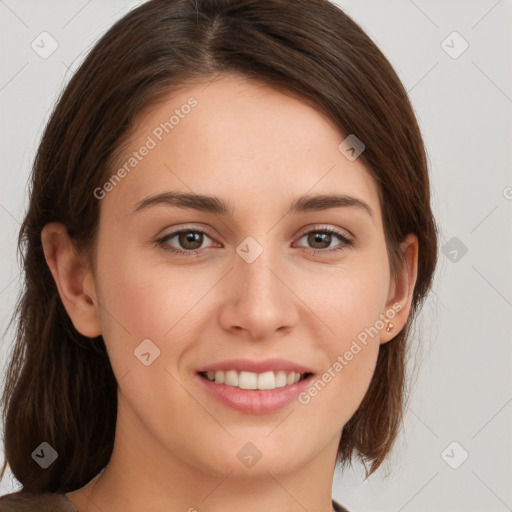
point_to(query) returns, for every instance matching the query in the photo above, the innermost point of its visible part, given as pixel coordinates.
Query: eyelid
(185, 227)
(326, 227)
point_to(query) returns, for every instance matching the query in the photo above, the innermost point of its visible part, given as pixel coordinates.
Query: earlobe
(74, 280)
(401, 294)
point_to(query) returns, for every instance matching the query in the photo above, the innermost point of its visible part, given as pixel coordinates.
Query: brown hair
(60, 387)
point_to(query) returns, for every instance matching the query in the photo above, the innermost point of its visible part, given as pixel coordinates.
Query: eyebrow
(216, 205)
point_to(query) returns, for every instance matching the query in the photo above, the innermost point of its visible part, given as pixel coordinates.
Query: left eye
(324, 237)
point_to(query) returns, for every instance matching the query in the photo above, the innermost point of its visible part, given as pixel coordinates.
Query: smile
(255, 381)
(251, 399)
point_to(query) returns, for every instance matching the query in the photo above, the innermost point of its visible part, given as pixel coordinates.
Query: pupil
(189, 237)
(321, 237)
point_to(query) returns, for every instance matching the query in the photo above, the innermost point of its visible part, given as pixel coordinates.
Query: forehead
(241, 140)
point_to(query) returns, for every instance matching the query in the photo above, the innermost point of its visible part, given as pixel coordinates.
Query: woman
(229, 236)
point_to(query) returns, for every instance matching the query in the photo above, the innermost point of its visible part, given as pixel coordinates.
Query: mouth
(255, 386)
(254, 393)
(246, 380)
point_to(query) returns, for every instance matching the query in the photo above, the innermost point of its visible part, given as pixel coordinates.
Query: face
(180, 289)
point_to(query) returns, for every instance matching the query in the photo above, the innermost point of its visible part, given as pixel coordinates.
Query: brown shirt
(26, 502)
(49, 502)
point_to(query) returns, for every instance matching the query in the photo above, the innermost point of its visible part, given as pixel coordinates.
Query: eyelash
(347, 243)
(162, 242)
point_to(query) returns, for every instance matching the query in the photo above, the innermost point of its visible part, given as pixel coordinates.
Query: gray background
(462, 387)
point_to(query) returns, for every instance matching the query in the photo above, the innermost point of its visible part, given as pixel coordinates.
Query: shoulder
(338, 507)
(27, 502)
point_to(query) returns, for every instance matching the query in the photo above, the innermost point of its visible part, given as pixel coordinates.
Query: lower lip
(253, 401)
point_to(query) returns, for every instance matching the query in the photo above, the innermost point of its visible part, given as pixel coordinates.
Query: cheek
(350, 299)
(335, 395)
(351, 308)
(142, 300)
(351, 355)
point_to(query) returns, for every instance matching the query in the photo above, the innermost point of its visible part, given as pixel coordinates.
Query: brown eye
(323, 239)
(189, 241)
(320, 240)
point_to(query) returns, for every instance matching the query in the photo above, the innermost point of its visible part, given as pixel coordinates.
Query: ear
(74, 280)
(400, 295)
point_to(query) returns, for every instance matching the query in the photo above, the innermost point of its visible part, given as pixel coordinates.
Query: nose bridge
(257, 263)
(262, 301)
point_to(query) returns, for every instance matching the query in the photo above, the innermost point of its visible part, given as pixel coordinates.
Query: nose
(259, 298)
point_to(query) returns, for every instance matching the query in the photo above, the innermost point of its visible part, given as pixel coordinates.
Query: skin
(176, 447)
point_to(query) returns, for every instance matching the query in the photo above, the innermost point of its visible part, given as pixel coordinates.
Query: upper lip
(251, 365)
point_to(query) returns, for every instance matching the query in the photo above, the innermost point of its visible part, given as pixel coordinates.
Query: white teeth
(280, 379)
(251, 380)
(266, 380)
(247, 380)
(231, 378)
